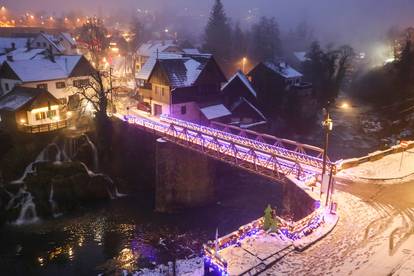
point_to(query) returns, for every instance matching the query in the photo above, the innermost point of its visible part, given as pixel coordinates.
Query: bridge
(262, 154)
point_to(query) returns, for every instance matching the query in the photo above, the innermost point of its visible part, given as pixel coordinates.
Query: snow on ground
(387, 167)
(372, 217)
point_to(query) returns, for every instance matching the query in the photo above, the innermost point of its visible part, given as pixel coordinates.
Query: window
(60, 85)
(51, 114)
(42, 85)
(63, 101)
(162, 91)
(81, 83)
(38, 44)
(6, 85)
(183, 109)
(44, 44)
(40, 116)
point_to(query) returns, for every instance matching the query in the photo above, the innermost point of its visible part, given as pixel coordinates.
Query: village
(167, 127)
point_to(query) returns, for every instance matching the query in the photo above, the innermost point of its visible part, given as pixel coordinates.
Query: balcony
(42, 128)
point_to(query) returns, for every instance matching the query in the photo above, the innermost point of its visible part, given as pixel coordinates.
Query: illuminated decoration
(260, 158)
(293, 231)
(22, 121)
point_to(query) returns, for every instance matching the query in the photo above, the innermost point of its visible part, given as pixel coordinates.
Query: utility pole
(327, 125)
(110, 87)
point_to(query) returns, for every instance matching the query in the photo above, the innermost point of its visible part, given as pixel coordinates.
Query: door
(157, 110)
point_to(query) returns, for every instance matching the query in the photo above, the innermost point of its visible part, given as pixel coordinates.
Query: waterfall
(53, 203)
(28, 211)
(94, 152)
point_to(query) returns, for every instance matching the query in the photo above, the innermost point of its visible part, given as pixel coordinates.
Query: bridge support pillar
(184, 178)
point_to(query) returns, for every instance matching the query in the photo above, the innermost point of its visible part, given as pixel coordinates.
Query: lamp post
(244, 60)
(327, 125)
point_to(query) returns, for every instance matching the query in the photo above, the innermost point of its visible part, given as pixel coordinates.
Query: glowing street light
(244, 60)
(345, 105)
(166, 30)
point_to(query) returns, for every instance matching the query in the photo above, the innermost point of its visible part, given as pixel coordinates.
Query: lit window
(42, 86)
(60, 85)
(40, 116)
(51, 114)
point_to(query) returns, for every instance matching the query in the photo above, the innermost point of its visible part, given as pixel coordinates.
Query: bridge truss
(255, 155)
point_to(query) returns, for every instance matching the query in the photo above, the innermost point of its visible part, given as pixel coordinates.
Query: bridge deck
(273, 161)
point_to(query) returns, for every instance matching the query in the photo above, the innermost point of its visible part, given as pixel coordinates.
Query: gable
(158, 75)
(6, 72)
(82, 68)
(211, 74)
(43, 99)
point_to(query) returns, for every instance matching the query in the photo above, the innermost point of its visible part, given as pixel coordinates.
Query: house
(60, 75)
(240, 97)
(8, 44)
(32, 110)
(152, 48)
(182, 86)
(61, 43)
(281, 90)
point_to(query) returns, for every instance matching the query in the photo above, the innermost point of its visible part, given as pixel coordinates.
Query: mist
(356, 22)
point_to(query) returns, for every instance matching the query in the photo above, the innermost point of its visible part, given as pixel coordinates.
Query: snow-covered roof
(6, 43)
(149, 65)
(54, 41)
(215, 111)
(283, 69)
(301, 56)
(150, 48)
(245, 81)
(41, 68)
(191, 51)
(19, 97)
(22, 54)
(69, 38)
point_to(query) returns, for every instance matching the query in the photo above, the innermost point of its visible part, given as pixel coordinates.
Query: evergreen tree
(268, 218)
(239, 43)
(266, 43)
(217, 39)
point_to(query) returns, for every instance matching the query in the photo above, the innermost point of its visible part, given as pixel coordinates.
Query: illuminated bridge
(262, 154)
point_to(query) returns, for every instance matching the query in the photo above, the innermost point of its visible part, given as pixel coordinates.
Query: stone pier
(184, 178)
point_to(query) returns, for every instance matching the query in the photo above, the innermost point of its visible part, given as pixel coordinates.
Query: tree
(266, 43)
(217, 38)
(327, 69)
(93, 35)
(141, 33)
(239, 43)
(96, 94)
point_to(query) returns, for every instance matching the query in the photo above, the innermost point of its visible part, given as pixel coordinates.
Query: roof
(301, 56)
(243, 100)
(146, 70)
(283, 69)
(69, 38)
(150, 48)
(6, 43)
(22, 54)
(42, 69)
(191, 51)
(215, 111)
(242, 77)
(183, 72)
(19, 97)
(54, 41)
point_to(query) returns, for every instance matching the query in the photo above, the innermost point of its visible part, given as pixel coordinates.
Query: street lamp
(327, 125)
(244, 60)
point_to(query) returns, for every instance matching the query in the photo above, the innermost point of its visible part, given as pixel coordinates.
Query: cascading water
(94, 152)
(28, 210)
(53, 204)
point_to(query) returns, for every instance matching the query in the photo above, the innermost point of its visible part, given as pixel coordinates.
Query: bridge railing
(286, 149)
(255, 160)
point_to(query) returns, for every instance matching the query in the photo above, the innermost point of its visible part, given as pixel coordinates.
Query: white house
(62, 43)
(60, 75)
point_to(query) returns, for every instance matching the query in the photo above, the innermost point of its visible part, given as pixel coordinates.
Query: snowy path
(387, 167)
(374, 236)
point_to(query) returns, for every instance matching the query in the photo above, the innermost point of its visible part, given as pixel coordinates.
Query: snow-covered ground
(393, 166)
(374, 235)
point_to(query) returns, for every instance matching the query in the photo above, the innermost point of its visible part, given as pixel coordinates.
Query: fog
(352, 21)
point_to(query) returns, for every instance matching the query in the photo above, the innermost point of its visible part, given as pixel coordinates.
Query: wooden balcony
(45, 127)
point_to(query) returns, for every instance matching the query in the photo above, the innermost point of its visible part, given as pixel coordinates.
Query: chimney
(13, 46)
(51, 55)
(28, 45)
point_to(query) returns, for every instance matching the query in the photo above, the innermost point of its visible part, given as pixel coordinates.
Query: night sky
(333, 20)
